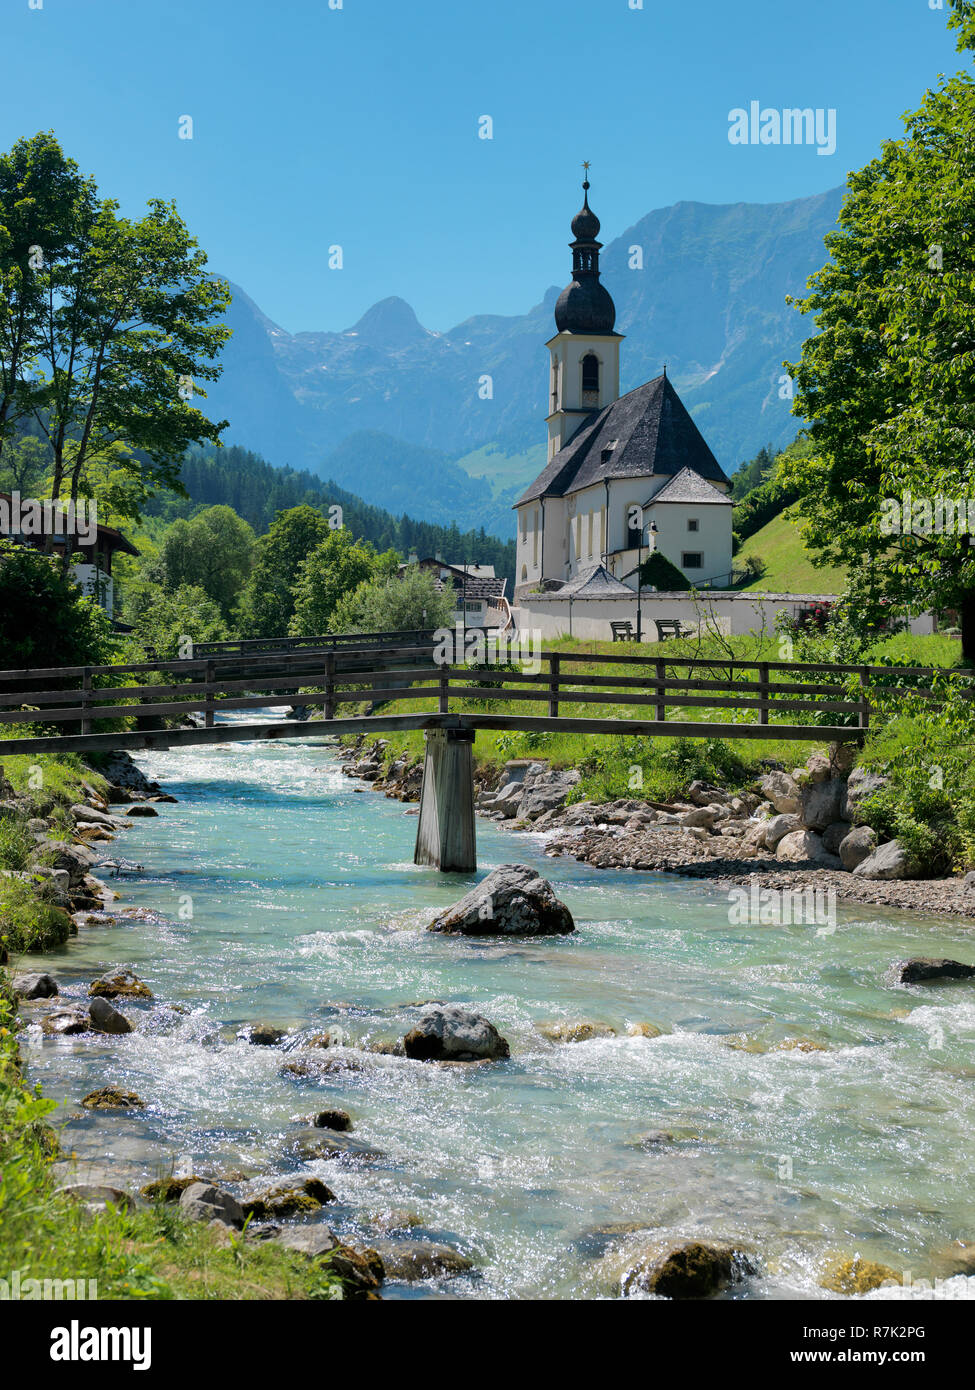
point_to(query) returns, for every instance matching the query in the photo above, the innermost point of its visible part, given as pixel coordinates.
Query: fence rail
(210, 685)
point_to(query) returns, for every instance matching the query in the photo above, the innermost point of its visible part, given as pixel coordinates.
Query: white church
(625, 475)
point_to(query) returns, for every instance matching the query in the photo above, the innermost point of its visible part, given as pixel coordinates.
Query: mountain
(389, 406)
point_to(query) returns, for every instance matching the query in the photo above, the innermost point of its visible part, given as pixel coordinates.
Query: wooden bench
(623, 632)
(670, 627)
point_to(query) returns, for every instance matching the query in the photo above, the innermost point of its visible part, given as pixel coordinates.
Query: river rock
(920, 968)
(513, 900)
(834, 835)
(858, 1276)
(702, 817)
(71, 1019)
(98, 1196)
(857, 846)
(112, 1098)
(777, 828)
(413, 1260)
(121, 982)
(107, 1019)
(169, 1189)
(805, 847)
(690, 1270)
(34, 985)
(644, 1030)
(574, 1032)
(782, 791)
(821, 802)
(448, 1033)
(325, 1147)
(545, 790)
(261, 1034)
(287, 1199)
(887, 861)
(860, 784)
(202, 1201)
(75, 860)
(339, 1120)
(312, 1241)
(87, 815)
(142, 808)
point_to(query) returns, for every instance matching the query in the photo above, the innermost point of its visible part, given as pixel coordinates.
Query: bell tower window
(590, 379)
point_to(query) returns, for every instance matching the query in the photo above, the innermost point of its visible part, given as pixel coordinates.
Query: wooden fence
(771, 693)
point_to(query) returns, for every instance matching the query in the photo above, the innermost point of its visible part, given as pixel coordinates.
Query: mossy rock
(310, 1196)
(120, 984)
(574, 1032)
(112, 1098)
(857, 1275)
(168, 1189)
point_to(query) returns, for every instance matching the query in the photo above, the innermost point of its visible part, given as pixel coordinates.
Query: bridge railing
(73, 698)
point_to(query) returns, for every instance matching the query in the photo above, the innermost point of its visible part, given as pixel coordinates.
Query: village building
(480, 595)
(94, 550)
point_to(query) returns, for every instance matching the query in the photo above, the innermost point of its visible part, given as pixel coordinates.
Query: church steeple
(585, 305)
(585, 353)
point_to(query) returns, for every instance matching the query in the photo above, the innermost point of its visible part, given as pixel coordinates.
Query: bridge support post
(445, 834)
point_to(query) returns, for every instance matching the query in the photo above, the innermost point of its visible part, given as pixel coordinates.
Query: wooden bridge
(95, 708)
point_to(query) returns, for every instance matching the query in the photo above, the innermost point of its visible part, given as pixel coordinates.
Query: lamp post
(639, 576)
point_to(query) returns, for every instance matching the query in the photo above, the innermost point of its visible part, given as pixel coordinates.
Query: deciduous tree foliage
(337, 566)
(396, 603)
(889, 380)
(213, 551)
(44, 618)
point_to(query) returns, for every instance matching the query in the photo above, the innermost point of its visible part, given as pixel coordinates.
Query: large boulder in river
(822, 802)
(105, 1018)
(201, 1201)
(448, 1033)
(120, 983)
(512, 901)
(690, 1270)
(912, 972)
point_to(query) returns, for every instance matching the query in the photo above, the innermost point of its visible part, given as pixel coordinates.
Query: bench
(623, 632)
(670, 627)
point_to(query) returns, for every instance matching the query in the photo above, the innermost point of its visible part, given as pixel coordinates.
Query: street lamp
(639, 575)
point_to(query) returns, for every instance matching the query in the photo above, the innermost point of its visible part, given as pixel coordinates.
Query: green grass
(657, 769)
(504, 471)
(49, 780)
(27, 923)
(789, 565)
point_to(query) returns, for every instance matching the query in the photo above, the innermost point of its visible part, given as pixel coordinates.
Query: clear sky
(358, 126)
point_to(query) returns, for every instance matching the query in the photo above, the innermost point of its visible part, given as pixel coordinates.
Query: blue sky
(358, 126)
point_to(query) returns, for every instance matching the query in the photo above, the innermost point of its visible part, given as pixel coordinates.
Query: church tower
(585, 352)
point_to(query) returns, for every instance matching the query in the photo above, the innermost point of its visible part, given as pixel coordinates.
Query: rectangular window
(579, 536)
(692, 523)
(691, 560)
(473, 606)
(535, 545)
(591, 514)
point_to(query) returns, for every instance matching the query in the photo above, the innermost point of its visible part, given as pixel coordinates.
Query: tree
(889, 380)
(396, 603)
(44, 618)
(164, 620)
(43, 200)
(336, 566)
(126, 339)
(267, 605)
(213, 551)
(24, 466)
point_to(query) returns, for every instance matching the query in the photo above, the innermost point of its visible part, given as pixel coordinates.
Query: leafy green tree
(164, 619)
(24, 466)
(337, 566)
(267, 605)
(889, 380)
(395, 603)
(44, 618)
(213, 551)
(43, 201)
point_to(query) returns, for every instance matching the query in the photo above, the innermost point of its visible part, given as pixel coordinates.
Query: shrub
(27, 923)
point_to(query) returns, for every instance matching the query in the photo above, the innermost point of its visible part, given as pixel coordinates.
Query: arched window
(524, 573)
(590, 373)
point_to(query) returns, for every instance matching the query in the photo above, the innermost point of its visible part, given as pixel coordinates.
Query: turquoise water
(275, 891)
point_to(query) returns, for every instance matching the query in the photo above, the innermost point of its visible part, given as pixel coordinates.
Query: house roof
(647, 431)
(479, 582)
(688, 486)
(108, 537)
(595, 581)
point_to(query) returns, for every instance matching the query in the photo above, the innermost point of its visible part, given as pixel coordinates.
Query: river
(274, 890)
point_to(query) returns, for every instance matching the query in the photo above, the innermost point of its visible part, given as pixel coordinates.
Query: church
(626, 475)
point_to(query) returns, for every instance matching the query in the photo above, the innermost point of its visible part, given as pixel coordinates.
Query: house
(481, 597)
(625, 474)
(28, 522)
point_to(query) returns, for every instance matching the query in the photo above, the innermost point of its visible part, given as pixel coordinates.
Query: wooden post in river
(445, 834)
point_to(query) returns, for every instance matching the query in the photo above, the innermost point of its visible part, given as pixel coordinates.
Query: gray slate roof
(648, 430)
(688, 486)
(595, 581)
